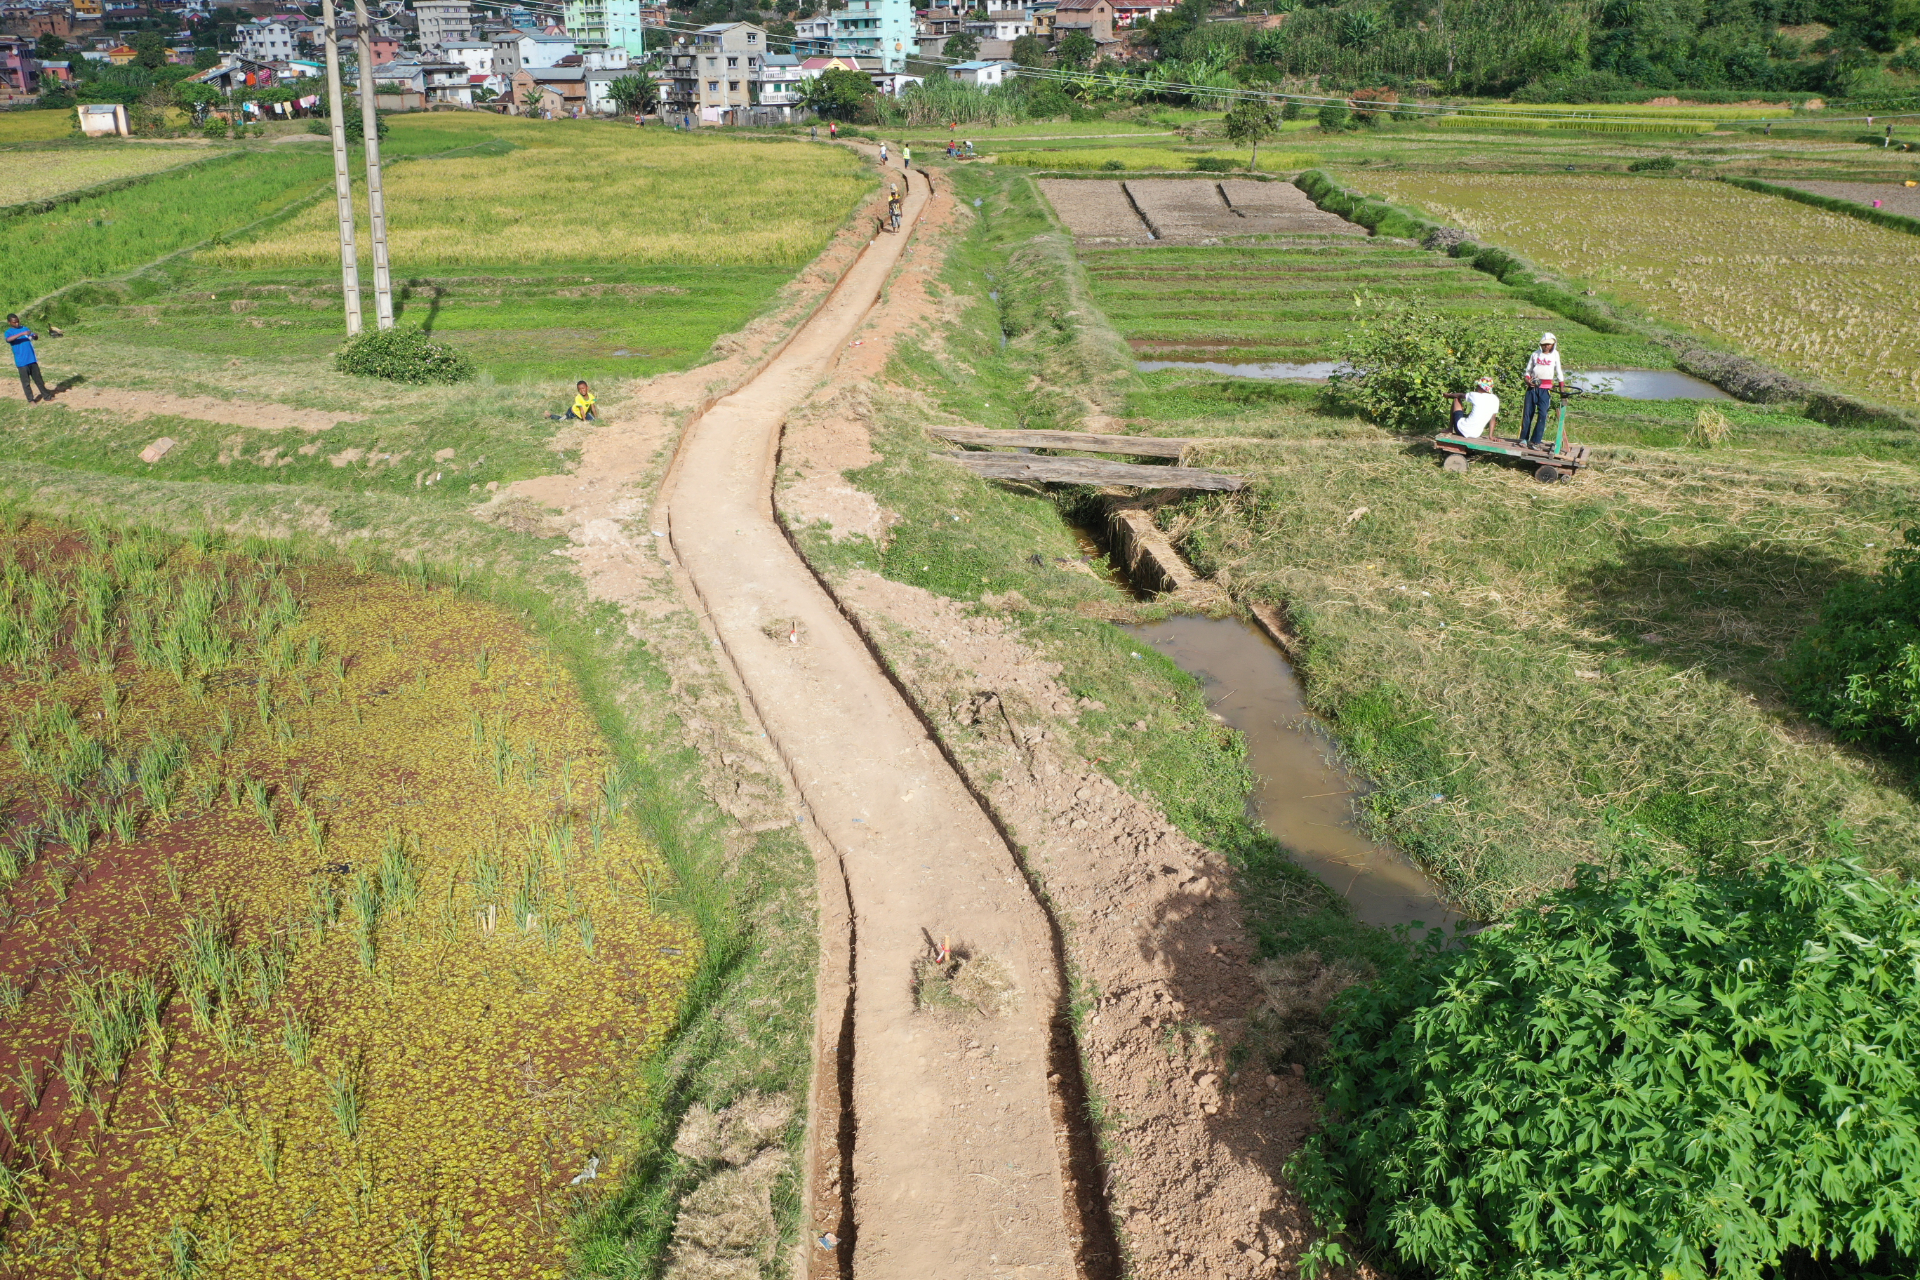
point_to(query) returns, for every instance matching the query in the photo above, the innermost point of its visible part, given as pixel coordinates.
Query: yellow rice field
(38, 175)
(589, 191)
(1815, 292)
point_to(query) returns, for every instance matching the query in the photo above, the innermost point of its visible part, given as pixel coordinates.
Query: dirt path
(956, 1167)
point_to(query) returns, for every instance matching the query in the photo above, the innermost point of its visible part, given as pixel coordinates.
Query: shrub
(1650, 1075)
(1213, 164)
(1857, 670)
(403, 355)
(1655, 164)
(1113, 166)
(1290, 110)
(1405, 358)
(1334, 117)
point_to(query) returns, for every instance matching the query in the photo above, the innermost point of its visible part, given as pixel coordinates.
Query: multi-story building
(618, 24)
(717, 72)
(474, 55)
(266, 40)
(813, 37)
(520, 49)
(780, 82)
(1002, 24)
(877, 29)
(444, 22)
(1094, 17)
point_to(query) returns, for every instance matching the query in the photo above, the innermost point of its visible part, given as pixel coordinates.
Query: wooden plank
(1086, 442)
(1026, 466)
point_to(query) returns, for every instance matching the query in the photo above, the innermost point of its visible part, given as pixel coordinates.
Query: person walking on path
(26, 360)
(833, 130)
(883, 152)
(906, 155)
(1543, 375)
(893, 205)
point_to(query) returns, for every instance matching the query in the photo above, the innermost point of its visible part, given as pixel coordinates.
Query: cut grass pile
(40, 174)
(588, 191)
(1812, 291)
(1293, 304)
(332, 944)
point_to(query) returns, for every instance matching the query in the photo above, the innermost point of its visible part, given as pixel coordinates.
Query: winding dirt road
(957, 1162)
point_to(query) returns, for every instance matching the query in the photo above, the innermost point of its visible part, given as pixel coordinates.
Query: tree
(964, 47)
(1250, 123)
(1076, 50)
(1334, 117)
(634, 93)
(837, 94)
(205, 59)
(150, 49)
(531, 98)
(1030, 51)
(50, 48)
(197, 100)
(1653, 1073)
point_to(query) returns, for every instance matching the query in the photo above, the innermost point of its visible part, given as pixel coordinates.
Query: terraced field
(1294, 302)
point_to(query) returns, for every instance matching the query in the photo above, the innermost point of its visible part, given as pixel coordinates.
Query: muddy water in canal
(1303, 797)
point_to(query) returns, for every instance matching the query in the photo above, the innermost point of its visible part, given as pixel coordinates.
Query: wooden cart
(1549, 463)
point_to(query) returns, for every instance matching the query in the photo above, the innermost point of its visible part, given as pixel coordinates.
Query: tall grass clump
(1651, 1074)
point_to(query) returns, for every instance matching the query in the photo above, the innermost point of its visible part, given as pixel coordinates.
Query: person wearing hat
(893, 205)
(1474, 413)
(1543, 375)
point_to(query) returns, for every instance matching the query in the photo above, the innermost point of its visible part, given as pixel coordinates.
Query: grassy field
(1241, 305)
(333, 1006)
(1271, 161)
(587, 191)
(1814, 292)
(41, 173)
(35, 126)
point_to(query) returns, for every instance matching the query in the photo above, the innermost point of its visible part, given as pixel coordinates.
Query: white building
(983, 75)
(266, 41)
(520, 50)
(1002, 24)
(443, 22)
(476, 57)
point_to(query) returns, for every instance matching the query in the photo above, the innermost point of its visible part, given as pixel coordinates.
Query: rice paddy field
(42, 173)
(329, 947)
(35, 125)
(1815, 292)
(1293, 303)
(588, 191)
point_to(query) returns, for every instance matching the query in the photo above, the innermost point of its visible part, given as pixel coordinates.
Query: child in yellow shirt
(582, 405)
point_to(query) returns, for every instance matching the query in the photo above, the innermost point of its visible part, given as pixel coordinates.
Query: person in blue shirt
(20, 338)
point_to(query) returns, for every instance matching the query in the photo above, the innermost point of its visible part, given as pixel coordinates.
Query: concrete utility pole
(342, 179)
(376, 201)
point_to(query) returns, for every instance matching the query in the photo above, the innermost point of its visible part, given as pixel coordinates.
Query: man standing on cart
(1543, 376)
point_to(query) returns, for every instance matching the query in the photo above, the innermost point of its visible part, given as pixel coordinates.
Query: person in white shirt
(1543, 375)
(1474, 413)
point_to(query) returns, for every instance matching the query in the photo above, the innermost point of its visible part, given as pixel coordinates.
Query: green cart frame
(1549, 464)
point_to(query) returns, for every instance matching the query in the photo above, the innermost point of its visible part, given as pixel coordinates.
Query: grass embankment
(1806, 289)
(505, 248)
(965, 538)
(1244, 304)
(317, 1004)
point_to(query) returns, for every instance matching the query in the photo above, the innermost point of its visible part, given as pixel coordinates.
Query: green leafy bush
(1334, 117)
(403, 355)
(1404, 359)
(1857, 670)
(1656, 164)
(1213, 164)
(1656, 1075)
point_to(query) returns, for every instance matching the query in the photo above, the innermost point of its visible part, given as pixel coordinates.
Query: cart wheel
(1454, 462)
(1547, 474)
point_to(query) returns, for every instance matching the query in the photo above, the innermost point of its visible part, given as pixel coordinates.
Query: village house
(265, 40)
(520, 49)
(443, 22)
(981, 75)
(1127, 13)
(1002, 24)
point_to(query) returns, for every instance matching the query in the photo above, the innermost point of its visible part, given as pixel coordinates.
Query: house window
(733, 86)
(713, 86)
(752, 36)
(733, 62)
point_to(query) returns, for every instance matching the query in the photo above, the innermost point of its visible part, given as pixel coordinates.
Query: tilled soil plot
(1282, 208)
(1096, 212)
(1893, 196)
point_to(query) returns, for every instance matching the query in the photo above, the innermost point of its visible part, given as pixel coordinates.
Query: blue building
(878, 29)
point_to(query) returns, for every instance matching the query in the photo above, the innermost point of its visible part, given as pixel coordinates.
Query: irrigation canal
(1303, 795)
